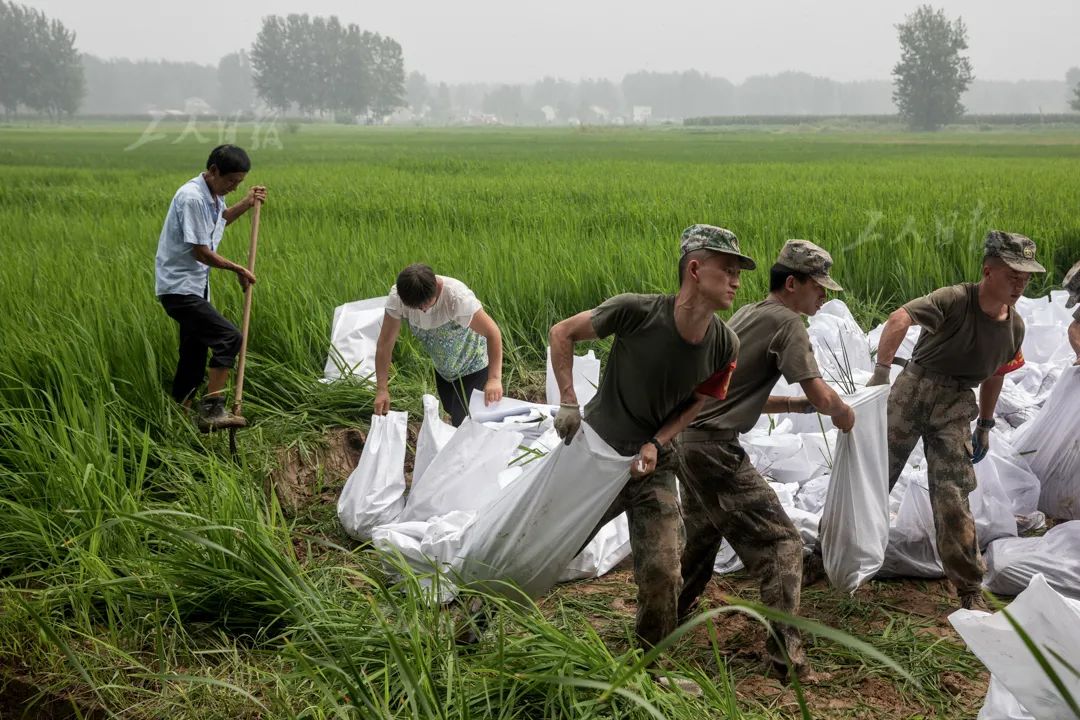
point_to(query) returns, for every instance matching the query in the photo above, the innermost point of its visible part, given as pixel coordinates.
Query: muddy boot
(813, 568)
(974, 601)
(213, 415)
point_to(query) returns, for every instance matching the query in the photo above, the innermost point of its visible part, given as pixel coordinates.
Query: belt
(948, 381)
(703, 435)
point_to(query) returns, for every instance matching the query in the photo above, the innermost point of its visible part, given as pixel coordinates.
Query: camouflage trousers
(651, 504)
(940, 414)
(723, 496)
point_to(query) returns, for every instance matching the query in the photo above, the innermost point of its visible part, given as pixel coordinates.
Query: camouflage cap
(717, 239)
(1072, 284)
(1017, 251)
(806, 257)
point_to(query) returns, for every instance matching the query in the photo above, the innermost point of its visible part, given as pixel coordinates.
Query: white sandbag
(428, 547)
(1052, 622)
(1017, 479)
(785, 493)
(464, 475)
(1051, 445)
(811, 496)
(727, 561)
(855, 520)
(819, 452)
(433, 436)
(532, 424)
(608, 548)
(807, 523)
(1000, 704)
(990, 506)
(912, 549)
(838, 341)
(778, 454)
(1012, 562)
(374, 492)
(508, 407)
(353, 337)
(586, 378)
(532, 530)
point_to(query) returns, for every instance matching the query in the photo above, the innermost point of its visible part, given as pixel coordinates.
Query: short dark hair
(778, 275)
(229, 159)
(416, 285)
(698, 254)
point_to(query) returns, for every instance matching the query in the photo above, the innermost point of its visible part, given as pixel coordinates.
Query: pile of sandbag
(1020, 687)
(499, 498)
(1029, 471)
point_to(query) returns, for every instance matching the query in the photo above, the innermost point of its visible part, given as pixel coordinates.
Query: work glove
(980, 440)
(880, 377)
(567, 421)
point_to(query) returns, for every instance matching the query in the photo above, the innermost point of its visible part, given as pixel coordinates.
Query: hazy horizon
(482, 41)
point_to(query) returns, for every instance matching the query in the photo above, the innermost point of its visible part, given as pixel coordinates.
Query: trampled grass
(144, 572)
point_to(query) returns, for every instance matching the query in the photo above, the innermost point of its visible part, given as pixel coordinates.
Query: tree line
(316, 65)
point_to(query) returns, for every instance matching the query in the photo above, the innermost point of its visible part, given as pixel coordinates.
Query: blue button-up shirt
(196, 217)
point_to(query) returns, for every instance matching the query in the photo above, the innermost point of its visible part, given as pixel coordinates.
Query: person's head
(417, 287)
(1071, 283)
(711, 263)
(800, 276)
(226, 168)
(1008, 264)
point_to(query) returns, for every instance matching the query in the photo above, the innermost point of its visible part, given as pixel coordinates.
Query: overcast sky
(523, 40)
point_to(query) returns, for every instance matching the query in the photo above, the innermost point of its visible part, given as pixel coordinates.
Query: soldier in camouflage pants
(971, 337)
(940, 414)
(745, 510)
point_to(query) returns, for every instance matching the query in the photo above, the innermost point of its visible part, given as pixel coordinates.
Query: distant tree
(388, 75)
(1072, 80)
(932, 74)
(269, 62)
(441, 104)
(40, 68)
(505, 103)
(236, 92)
(417, 95)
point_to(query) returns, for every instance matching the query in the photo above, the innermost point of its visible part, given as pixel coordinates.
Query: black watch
(656, 443)
(985, 424)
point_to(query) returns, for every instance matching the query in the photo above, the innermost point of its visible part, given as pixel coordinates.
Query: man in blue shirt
(187, 249)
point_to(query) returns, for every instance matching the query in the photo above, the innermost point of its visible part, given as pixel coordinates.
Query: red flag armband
(717, 385)
(1015, 364)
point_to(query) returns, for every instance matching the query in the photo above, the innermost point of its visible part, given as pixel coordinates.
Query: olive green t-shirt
(772, 342)
(651, 369)
(959, 339)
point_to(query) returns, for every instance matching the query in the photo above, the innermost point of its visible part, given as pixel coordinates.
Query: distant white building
(642, 114)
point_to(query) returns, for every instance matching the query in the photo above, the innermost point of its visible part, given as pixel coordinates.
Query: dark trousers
(454, 394)
(202, 329)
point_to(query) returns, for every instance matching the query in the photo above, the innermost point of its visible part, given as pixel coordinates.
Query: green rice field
(145, 573)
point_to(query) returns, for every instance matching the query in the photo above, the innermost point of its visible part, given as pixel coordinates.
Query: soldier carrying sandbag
(972, 335)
